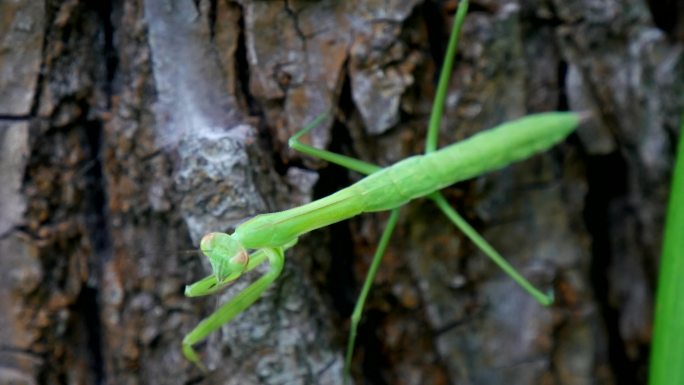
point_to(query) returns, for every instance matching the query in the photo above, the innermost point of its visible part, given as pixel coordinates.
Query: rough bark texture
(129, 129)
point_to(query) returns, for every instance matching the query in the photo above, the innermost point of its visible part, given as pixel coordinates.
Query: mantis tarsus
(269, 235)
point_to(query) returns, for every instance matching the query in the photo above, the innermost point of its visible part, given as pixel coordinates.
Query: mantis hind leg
(482, 244)
(370, 276)
(431, 146)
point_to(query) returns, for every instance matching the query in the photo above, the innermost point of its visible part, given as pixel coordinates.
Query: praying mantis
(266, 237)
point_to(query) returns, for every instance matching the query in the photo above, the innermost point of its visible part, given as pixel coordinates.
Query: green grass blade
(667, 352)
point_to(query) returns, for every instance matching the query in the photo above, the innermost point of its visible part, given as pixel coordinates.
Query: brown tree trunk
(130, 129)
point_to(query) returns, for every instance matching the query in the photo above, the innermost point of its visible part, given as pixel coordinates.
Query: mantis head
(226, 254)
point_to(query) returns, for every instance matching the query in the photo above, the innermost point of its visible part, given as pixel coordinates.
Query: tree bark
(130, 129)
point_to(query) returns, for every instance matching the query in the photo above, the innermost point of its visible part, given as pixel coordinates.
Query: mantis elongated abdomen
(421, 175)
(413, 178)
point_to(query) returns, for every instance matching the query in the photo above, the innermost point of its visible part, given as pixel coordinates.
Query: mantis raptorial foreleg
(236, 305)
(210, 284)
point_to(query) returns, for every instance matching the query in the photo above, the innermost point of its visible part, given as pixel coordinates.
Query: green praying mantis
(266, 237)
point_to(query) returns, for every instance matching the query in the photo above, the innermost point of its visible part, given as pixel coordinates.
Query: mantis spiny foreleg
(235, 306)
(210, 284)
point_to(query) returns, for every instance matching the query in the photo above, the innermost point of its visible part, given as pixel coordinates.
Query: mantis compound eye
(226, 254)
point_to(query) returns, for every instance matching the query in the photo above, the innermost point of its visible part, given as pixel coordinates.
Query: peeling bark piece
(295, 53)
(13, 157)
(380, 72)
(22, 273)
(21, 44)
(191, 86)
(380, 68)
(217, 179)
